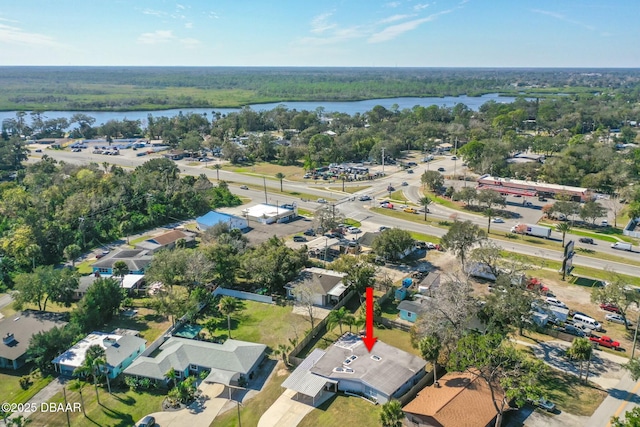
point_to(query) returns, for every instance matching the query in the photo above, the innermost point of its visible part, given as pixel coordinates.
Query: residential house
(213, 218)
(120, 351)
(326, 286)
(383, 374)
(227, 363)
(462, 399)
(129, 282)
(137, 261)
(429, 284)
(167, 240)
(16, 332)
(410, 310)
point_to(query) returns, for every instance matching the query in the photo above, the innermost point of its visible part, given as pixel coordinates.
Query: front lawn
(10, 390)
(122, 408)
(341, 411)
(570, 394)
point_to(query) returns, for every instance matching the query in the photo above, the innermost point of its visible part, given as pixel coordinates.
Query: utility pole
(383, 160)
(264, 182)
(455, 153)
(635, 338)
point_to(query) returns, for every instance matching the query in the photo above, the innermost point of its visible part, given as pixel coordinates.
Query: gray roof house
(326, 286)
(380, 375)
(120, 351)
(227, 363)
(16, 332)
(410, 310)
(137, 261)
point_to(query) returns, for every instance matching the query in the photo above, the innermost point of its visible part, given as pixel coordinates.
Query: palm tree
(101, 366)
(564, 228)
(489, 214)
(78, 385)
(337, 317)
(172, 375)
(429, 347)
(350, 320)
(283, 350)
(425, 202)
(120, 269)
(392, 415)
(227, 306)
(217, 167)
(581, 350)
(280, 176)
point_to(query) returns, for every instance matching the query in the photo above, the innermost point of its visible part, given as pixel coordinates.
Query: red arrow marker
(369, 339)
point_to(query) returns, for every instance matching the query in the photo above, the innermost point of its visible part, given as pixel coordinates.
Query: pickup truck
(605, 341)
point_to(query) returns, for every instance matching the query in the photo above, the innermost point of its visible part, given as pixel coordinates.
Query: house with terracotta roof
(462, 399)
(166, 240)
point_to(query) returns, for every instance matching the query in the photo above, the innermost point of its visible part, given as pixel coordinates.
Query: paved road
(622, 398)
(5, 300)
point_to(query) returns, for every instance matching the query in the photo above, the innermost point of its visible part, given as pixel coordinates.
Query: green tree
(168, 267)
(564, 228)
(433, 179)
(43, 285)
(94, 360)
(466, 194)
(46, 346)
(172, 375)
(391, 414)
(488, 213)
(425, 202)
(272, 264)
(280, 177)
(619, 293)
(120, 269)
(283, 351)
(490, 198)
(393, 244)
(71, 253)
(77, 385)
(591, 211)
(581, 350)
(631, 419)
(228, 306)
(361, 276)
(429, 347)
(101, 302)
(461, 237)
(217, 167)
(505, 370)
(328, 217)
(337, 317)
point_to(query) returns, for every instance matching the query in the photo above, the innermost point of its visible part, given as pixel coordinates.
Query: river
(350, 108)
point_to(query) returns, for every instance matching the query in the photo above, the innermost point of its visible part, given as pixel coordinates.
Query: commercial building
(269, 214)
(213, 218)
(520, 187)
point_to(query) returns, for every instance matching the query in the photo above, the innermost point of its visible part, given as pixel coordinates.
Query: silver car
(616, 318)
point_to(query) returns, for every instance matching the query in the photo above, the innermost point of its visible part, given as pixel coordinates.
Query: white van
(622, 246)
(589, 322)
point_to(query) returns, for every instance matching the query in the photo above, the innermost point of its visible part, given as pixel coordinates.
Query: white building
(268, 214)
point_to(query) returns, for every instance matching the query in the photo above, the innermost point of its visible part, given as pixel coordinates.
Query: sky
(331, 33)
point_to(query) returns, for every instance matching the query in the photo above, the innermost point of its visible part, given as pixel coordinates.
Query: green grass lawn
(139, 240)
(122, 408)
(150, 324)
(342, 411)
(268, 324)
(351, 188)
(273, 190)
(352, 222)
(84, 267)
(396, 338)
(424, 237)
(253, 409)
(570, 394)
(417, 218)
(608, 234)
(304, 212)
(399, 196)
(10, 390)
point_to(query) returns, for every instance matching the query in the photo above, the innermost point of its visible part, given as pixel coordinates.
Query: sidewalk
(43, 396)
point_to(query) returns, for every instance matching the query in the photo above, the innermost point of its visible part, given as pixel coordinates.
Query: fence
(243, 295)
(413, 391)
(629, 230)
(392, 324)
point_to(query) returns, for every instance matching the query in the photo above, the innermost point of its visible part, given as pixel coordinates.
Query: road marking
(623, 404)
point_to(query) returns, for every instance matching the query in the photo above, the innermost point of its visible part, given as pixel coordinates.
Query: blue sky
(403, 33)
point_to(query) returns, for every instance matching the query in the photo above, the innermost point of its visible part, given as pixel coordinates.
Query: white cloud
(15, 35)
(321, 23)
(157, 37)
(394, 18)
(188, 25)
(338, 36)
(190, 43)
(561, 17)
(212, 15)
(154, 12)
(179, 6)
(8, 20)
(393, 4)
(421, 6)
(394, 31)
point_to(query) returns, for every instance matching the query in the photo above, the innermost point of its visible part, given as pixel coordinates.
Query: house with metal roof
(213, 218)
(166, 240)
(325, 286)
(410, 310)
(227, 363)
(383, 374)
(462, 399)
(137, 261)
(16, 332)
(120, 351)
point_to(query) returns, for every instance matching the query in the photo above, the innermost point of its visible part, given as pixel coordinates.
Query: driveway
(199, 414)
(286, 412)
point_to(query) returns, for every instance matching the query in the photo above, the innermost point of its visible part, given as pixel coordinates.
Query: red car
(610, 307)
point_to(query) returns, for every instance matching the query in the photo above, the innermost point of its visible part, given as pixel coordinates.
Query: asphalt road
(360, 210)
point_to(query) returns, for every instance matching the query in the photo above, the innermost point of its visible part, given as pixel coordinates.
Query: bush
(25, 382)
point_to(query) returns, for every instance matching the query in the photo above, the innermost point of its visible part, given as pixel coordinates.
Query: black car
(299, 239)
(440, 169)
(588, 240)
(309, 232)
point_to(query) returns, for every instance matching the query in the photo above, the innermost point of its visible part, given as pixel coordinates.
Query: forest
(157, 88)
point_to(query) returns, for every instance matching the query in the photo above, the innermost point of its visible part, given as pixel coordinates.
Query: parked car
(382, 228)
(440, 169)
(543, 404)
(299, 239)
(321, 201)
(76, 150)
(556, 302)
(610, 307)
(605, 341)
(404, 183)
(527, 204)
(354, 230)
(364, 198)
(454, 158)
(309, 232)
(588, 240)
(147, 421)
(573, 330)
(498, 220)
(244, 187)
(604, 223)
(616, 318)
(410, 171)
(38, 150)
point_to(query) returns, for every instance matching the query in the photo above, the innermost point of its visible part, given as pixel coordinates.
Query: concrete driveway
(285, 412)
(199, 414)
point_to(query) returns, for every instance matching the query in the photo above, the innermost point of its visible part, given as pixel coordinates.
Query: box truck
(532, 230)
(622, 246)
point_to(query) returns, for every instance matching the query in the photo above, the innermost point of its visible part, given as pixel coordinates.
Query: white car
(498, 220)
(354, 230)
(322, 201)
(616, 318)
(556, 302)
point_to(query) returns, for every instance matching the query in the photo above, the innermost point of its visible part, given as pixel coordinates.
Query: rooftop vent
(343, 370)
(8, 339)
(349, 360)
